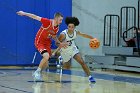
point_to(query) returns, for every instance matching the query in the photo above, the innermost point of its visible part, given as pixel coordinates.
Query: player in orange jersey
(47, 31)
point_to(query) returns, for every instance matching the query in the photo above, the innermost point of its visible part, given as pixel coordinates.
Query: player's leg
(80, 60)
(66, 57)
(67, 65)
(43, 64)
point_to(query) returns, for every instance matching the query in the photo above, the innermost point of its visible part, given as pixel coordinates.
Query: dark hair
(72, 20)
(58, 14)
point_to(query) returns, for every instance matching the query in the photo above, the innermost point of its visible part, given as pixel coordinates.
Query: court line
(8, 73)
(15, 89)
(13, 74)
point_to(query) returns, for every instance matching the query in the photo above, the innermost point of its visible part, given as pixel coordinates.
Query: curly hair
(72, 20)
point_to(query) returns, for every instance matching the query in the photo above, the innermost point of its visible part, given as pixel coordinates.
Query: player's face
(71, 27)
(59, 20)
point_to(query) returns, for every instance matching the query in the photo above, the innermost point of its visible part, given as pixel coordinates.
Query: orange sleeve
(45, 22)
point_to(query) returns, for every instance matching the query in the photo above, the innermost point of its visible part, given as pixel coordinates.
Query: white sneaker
(37, 76)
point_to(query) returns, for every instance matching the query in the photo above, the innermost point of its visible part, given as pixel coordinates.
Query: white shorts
(69, 53)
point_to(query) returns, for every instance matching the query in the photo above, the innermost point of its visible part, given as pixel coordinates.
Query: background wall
(91, 15)
(18, 33)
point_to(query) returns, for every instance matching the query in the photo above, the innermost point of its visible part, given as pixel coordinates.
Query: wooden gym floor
(71, 81)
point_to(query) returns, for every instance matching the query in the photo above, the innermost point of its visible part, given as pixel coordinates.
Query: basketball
(94, 43)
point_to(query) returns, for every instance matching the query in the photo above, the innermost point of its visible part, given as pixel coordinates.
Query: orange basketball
(94, 43)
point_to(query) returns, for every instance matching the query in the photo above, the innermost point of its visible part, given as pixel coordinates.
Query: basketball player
(69, 35)
(48, 30)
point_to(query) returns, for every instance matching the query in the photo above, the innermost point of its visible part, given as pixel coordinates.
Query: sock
(89, 76)
(38, 69)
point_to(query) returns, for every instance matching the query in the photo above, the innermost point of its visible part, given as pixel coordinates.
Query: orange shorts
(42, 48)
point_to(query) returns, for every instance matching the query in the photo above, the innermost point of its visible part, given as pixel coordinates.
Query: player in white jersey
(69, 35)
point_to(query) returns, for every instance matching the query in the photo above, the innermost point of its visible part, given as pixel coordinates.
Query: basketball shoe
(91, 79)
(37, 76)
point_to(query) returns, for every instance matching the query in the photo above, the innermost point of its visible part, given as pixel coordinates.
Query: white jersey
(70, 38)
(71, 50)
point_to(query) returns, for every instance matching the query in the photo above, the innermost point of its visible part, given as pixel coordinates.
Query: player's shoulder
(45, 19)
(46, 22)
(76, 31)
(64, 31)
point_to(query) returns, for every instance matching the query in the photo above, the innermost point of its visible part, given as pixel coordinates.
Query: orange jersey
(45, 33)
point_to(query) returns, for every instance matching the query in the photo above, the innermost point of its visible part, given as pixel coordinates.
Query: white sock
(38, 69)
(89, 76)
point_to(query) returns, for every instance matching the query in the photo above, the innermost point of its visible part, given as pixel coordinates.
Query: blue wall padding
(17, 33)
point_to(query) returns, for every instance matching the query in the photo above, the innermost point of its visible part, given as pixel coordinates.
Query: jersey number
(69, 42)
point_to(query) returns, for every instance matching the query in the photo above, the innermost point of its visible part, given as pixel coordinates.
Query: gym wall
(18, 33)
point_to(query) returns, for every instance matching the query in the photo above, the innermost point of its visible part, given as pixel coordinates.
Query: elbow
(57, 44)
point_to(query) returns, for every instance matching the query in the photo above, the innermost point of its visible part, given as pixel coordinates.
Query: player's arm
(59, 41)
(84, 35)
(61, 37)
(33, 16)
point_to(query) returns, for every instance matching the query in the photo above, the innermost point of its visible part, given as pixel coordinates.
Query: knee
(46, 56)
(66, 67)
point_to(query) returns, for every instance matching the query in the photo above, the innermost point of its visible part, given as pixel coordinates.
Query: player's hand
(63, 45)
(21, 13)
